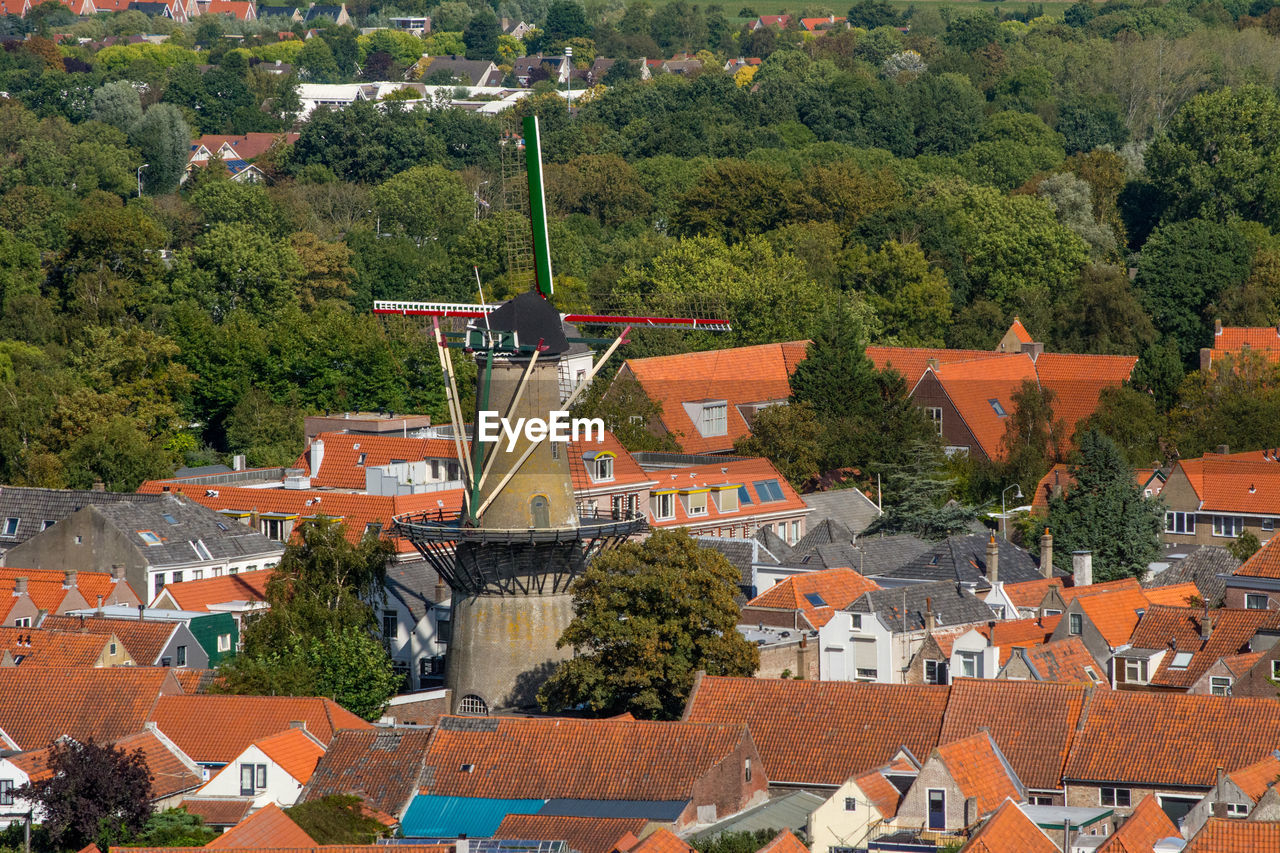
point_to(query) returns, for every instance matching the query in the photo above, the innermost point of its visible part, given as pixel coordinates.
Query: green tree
(911, 299)
(175, 828)
(1103, 315)
(336, 819)
(565, 20)
(1236, 403)
(93, 794)
(233, 267)
(789, 436)
(481, 35)
(735, 199)
(118, 104)
(916, 495)
(1131, 419)
(627, 412)
(317, 62)
(1105, 512)
(1244, 546)
(267, 433)
(118, 454)
(1033, 436)
(648, 616)
(164, 139)
(425, 203)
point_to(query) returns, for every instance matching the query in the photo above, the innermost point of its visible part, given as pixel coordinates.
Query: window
(1075, 624)
(1275, 669)
(224, 642)
(715, 419)
(24, 622)
(166, 661)
(969, 666)
(935, 672)
(1135, 672)
(48, 522)
(390, 626)
(1180, 522)
(6, 792)
(603, 468)
(1181, 660)
(373, 529)
(1041, 801)
(744, 497)
(11, 527)
(1233, 809)
(857, 621)
(1220, 685)
(664, 506)
(698, 503)
(159, 579)
(937, 809)
(361, 458)
(795, 532)
(182, 655)
(1118, 797)
(272, 528)
(1268, 524)
(851, 804)
(197, 574)
(202, 550)
(999, 409)
(768, 490)
(177, 577)
(1256, 601)
(935, 415)
(113, 649)
(746, 769)
(473, 706)
(262, 776)
(816, 599)
(169, 518)
(148, 537)
(1093, 676)
(1228, 525)
(727, 500)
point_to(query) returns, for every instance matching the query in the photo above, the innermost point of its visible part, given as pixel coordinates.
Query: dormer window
(360, 459)
(664, 506)
(10, 527)
(697, 502)
(727, 500)
(715, 419)
(599, 465)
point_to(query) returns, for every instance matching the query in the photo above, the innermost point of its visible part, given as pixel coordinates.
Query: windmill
(523, 533)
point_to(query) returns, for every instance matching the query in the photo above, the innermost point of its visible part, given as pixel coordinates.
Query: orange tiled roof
(584, 834)
(198, 595)
(784, 842)
(1234, 339)
(574, 758)
(243, 720)
(218, 811)
(1175, 595)
(1021, 633)
(47, 590)
(1179, 629)
(246, 146)
(1182, 739)
(340, 466)
(39, 704)
(1265, 562)
(972, 385)
(975, 766)
(1240, 664)
(1064, 660)
(1114, 614)
(145, 639)
(911, 362)
(1009, 830)
(1032, 722)
(1071, 593)
(863, 724)
(1144, 827)
(295, 751)
(746, 472)
(172, 772)
(1029, 594)
(30, 646)
(1078, 381)
(834, 587)
(266, 829)
(1225, 835)
(312, 848)
(1020, 332)
(946, 637)
(882, 793)
(1256, 778)
(661, 840)
(241, 10)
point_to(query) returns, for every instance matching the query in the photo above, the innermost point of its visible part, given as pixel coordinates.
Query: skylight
(815, 599)
(768, 490)
(744, 496)
(999, 409)
(1181, 660)
(148, 537)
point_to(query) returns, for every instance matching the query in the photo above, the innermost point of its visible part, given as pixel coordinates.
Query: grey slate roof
(1201, 567)
(743, 554)
(414, 583)
(964, 559)
(850, 507)
(790, 810)
(318, 11)
(877, 555)
(225, 539)
(285, 11)
(476, 72)
(905, 606)
(33, 507)
(827, 531)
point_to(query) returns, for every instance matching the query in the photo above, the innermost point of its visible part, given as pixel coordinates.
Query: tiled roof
(1256, 778)
(1114, 614)
(1032, 722)
(39, 704)
(911, 362)
(904, 607)
(817, 594)
(784, 842)
(381, 765)
(1225, 835)
(871, 555)
(198, 595)
(30, 647)
(172, 771)
(241, 10)
(744, 472)
(1265, 563)
(1202, 567)
(583, 834)
(1020, 634)
(312, 848)
(246, 146)
(963, 558)
(1141, 830)
(34, 507)
(145, 639)
(294, 750)
(1265, 339)
(1237, 482)
(1071, 593)
(882, 793)
(1009, 830)
(741, 375)
(1181, 738)
(1020, 332)
(48, 591)
(1078, 381)
(661, 840)
(196, 680)
(1179, 629)
(341, 466)
(1173, 595)
(1064, 660)
(242, 720)
(267, 828)
(1240, 664)
(823, 732)
(552, 758)
(975, 764)
(1029, 594)
(191, 523)
(218, 811)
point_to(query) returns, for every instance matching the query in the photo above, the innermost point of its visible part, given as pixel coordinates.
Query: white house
(272, 770)
(415, 622)
(861, 806)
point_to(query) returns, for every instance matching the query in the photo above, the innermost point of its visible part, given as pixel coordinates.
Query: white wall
(17, 812)
(833, 825)
(281, 789)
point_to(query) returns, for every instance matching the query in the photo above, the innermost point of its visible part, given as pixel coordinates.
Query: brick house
(958, 784)
(380, 765)
(1181, 645)
(1255, 584)
(1217, 497)
(1235, 794)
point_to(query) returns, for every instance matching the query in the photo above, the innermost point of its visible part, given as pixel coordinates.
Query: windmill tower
(523, 535)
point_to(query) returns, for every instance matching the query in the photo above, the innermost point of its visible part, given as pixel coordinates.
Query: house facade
(272, 770)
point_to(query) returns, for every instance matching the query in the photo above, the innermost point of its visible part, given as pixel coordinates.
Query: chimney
(317, 456)
(1046, 554)
(1217, 328)
(442, 590)
(69, 579)
(1033, 349)
(1206, 359)
(99, 613)
(237, 462)
(141, 609)
(993, 560)
(298, 724)
(99, 486)
(20, 586)
(1224, 449)
(1082, 568)
(929, 621)
(117, 572)
(1206, 625)
(933, 364)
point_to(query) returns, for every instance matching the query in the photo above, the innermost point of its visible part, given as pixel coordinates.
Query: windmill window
(473, 706)
(999, 409)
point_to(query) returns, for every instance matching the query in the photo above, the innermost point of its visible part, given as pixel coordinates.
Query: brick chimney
(117, 572)
(1046, 554)
(1082, 568)
(930, 622)
(1206, 625)
(20, 586)
(69, 579)
(99, 486)
(993, 560)
(442, 590)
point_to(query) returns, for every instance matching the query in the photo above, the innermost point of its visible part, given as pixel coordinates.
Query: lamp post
(140, 168)
(568, 61)
(1004, 519)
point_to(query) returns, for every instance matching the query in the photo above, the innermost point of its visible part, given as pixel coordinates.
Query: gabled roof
(199, 595)
(1180, 629)
(972, 386)
(146, 639)
(881, 793)
(963, 558)
(980, 771)
(1114, 614)
(1009, 830)
(1071, 593)
(903, 608)
(294, 750)
(39, 704)
(849, 508)
(911, 362)
(1256, 778)
(551, 758)
(1033, 723)
(1141, 830)
(241, 10)
(35, 507)
(48, 589)
(1234, 339)
(245, 146)
(172, 770)
(218, 811)
(242, 720)
(817, 594)
(661, 840)
(823, 732)
(30, 647)
(583, 834)
(347, 455)
(1235, 482)
(268, 828)
(1063, 660)
(1227, 835)
(1182, 739)
(382, 766)
(1173, 595)
(1079, 380)
(784, 842)
(1059, 480)
(191, 523)
(1201, 567)
(1265, 563)
(1029, 594)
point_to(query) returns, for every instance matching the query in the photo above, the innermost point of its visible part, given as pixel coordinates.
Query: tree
(1103, 315)
(481, 35)
(1131, 419)
(1071, 199)
(118, 104)
(565, 20)
(317, 62)
(336, 819)
(648, 616)
(425, 203)
(164, 139)
(789, 436)
(1033, 438)
(870, 14)
(627, 412)
(911, 299)
(175, 828)
(233, 267)
(736, 199)
(268, 434)
(917, 497)
(1105, 512)
(118, 454)
(1244, 546)
(94, 794)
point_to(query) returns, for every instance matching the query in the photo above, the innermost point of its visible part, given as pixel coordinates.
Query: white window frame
(1251, 599)
(602, 470)
(1275, 669)
(968, 658)
(1115, 796)
(11, 527)
(1237, 810)
(1228, 526)
(1220, 685)
(664, 506)
(1139, 669)
(696, 503)
(224, 642)
(714, 419)
(1075, 624)
(935, 415)
(1180, 523)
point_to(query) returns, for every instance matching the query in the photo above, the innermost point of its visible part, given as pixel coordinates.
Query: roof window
(768, 490)
(202, 550)
(999, 409)
(1181, 660)
(148, 537)
(11, 527)
(815, 599)
(169, 518)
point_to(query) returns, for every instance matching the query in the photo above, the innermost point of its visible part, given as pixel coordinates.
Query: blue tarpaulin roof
(452, 817)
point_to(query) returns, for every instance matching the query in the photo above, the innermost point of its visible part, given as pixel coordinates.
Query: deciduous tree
(94, 794)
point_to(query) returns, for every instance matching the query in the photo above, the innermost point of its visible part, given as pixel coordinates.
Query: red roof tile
(823, 732)
(583, 834)
(974, 765)
(218, 811)
(29, 646)
(911, 362)
(835, 588)
(784, 842)
(1059, 479)
(246, 146)
(48, 591)
(1071, 593)
(574, 758)
(1029, 594)
(1114, 614)
(198, 595)
(267, 828)
(243, 720)
(1235, 339)
(1174, 595)
(1182, 739)
(742, 472)
(379, 765)
(1141, 830)
(1078, 381)
(172, 771)
(1224, 835)
(1020, 332)
(294, 750)
(882, 793)
(1009, 830)
(1265, 563)
(145, 640)
(661, 840)
(241, 10)
(1065, 660)
(1179, 629)
(341, 466)
(1256, 778)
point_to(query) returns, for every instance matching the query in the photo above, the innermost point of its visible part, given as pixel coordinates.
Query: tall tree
(164, 139)
(118, 104)
(481, 35)
(917, 497)
(1033, 436)
(93, 794)
(647, 616)
(1106, 513)
(789, 436)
